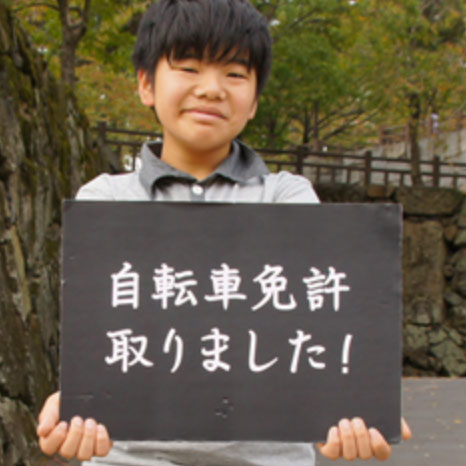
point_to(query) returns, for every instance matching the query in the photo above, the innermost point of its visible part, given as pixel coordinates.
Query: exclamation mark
(345, 353)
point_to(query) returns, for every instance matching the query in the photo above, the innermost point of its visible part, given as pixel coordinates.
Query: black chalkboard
(202, 321)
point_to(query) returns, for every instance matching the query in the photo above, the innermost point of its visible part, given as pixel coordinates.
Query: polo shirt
(241, 177)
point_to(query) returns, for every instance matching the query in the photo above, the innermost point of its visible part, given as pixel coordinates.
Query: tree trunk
(68, 60)
(306, 126)
(72, 33)
(413, 133)
(315, 126)
(44, 156)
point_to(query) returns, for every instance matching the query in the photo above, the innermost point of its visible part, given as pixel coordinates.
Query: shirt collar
(242, 164)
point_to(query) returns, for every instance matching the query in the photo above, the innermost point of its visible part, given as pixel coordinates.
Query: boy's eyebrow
(239, 61)
(191, 54)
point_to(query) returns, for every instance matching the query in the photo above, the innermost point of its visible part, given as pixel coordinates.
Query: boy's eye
(188, 69)
(185, 65)
(236, 75)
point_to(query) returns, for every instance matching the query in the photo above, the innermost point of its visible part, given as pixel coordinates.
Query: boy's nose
(210, 86)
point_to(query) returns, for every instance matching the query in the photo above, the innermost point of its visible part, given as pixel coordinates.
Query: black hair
(215, 30)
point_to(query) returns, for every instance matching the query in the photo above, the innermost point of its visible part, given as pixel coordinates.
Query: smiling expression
(201, 105)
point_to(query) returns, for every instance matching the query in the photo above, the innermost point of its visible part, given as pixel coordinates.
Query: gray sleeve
(294, 189)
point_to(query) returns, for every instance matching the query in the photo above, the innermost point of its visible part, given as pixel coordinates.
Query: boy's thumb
(49, 415)
(45, 426)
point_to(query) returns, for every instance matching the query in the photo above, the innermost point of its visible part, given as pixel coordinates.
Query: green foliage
(416, 47)
(105, 77)
(315, 84)
(340, 67)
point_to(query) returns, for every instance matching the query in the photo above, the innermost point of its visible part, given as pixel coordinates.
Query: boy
(202, 65)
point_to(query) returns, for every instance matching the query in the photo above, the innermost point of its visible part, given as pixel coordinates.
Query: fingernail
(90, 424)
(345, 424)
(63, 425)
(358, 422)
(100, 429)
(77, 421)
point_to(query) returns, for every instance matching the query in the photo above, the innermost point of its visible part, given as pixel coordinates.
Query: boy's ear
(145, 88)
(253, 111)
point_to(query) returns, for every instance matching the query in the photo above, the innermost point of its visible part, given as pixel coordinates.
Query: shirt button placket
(197, 193)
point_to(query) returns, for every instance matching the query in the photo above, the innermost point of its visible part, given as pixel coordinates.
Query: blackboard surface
(231, 321)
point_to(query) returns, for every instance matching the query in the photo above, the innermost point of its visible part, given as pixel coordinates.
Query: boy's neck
(197, 163)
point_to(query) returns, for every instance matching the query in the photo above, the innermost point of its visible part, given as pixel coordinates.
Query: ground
(436, 411)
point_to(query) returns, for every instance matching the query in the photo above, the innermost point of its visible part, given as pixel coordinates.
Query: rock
(460, 238)
(455, 336)
(459, 317)
(422, 311)
(380, 191)
(450, 233)
(423, 265)
(459, 283)
(340, 193)
(458, 261)
(448, 270)
(462, 216)
(45, 155)
(17, 429)
(452, 298)
(416, 345)
(429, 201)
(452, 357)
(437, 336)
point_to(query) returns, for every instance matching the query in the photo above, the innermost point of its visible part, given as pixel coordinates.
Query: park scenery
(366, 99)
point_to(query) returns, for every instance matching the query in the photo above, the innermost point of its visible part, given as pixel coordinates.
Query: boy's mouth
(205, 112)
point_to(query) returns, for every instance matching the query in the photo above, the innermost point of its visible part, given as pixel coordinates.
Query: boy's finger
(70, 446)
(405, 430)
(331, 449)
(49, 415)
(86, 447)
(363, 441)
(348, 442)
(380, 447)
(50, 444)
(103, 443)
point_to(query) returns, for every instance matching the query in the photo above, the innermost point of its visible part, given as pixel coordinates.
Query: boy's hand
(352, 439)
(82, 440)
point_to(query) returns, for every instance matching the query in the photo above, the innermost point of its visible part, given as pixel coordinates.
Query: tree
(417, 51)
(317, 93)
(79, 30)
(98, 64)
(73, 19)
(340, 67)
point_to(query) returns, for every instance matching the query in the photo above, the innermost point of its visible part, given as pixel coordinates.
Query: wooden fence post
(367, 167)
(102, 132)
(436, 171)
(301, 153)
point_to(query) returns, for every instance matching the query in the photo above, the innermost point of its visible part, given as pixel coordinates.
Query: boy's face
(201, 105)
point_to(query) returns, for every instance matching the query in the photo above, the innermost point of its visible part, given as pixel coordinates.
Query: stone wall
(44, 156)
(434, 273)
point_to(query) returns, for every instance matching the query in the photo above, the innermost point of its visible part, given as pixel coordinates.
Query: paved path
(436, 411)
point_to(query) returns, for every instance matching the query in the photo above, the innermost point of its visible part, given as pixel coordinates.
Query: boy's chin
(206, 142)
